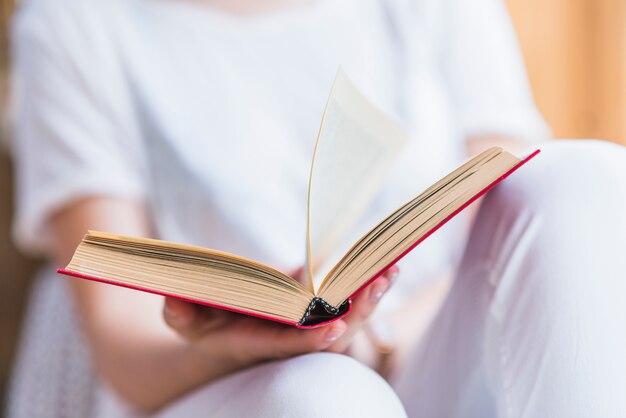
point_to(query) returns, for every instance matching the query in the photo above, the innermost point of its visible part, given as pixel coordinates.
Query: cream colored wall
(575, 52)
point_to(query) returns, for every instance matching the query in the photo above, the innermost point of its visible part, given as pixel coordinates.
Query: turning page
(356, 145)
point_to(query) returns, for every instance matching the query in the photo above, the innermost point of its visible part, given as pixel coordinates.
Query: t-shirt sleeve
(73, 134)
(484, 69)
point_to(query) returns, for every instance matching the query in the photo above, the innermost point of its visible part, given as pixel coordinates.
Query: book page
(355, 148)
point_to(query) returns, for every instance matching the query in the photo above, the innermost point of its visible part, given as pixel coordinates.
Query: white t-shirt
(211, 119)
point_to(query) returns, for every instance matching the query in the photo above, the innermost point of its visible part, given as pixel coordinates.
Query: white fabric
(534, 323)
(53, 376)
(309, 386)
(211, 119)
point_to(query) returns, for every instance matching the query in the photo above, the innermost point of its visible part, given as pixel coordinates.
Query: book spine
(320, 312)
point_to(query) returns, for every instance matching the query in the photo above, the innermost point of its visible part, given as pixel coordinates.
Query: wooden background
(575, 52)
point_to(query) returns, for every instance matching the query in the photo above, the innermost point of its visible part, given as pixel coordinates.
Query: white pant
(534, 325)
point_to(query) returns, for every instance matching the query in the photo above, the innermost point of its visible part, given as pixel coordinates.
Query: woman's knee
(569, 179)
(559, 223)
(313, 385)
(325, 384)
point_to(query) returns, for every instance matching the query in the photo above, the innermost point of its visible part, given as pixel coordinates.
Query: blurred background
(575, 52)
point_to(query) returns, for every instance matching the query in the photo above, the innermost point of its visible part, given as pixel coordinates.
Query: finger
(178, 313)
(189, 320)
(362, 307)
(365, 303)
(297, 273)
(392, 273)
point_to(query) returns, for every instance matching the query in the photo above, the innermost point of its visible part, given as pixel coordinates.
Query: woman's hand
(239, 341)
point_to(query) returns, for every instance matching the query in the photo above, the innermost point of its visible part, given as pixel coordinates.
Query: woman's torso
(227, 110)
(221, 115)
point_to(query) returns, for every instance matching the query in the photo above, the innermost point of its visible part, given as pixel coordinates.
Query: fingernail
(378, 290)
(334, 333)
(392, 274)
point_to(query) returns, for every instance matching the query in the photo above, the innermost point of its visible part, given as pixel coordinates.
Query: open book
(355, 147)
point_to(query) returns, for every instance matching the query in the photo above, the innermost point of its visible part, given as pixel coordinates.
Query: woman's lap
(527, 291)
(533, 323)
(313, 385)
(525, 319)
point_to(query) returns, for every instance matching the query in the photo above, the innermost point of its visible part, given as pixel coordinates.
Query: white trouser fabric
(310, 386)
(533, 325)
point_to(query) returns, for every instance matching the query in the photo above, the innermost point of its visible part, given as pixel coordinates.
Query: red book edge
(296, 324)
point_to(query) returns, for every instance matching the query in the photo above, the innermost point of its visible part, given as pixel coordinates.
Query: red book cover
(346, 306)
